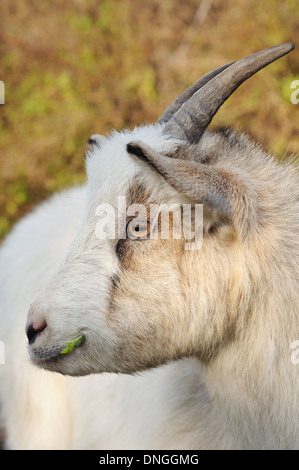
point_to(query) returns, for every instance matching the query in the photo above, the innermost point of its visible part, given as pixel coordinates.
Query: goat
(175, 348)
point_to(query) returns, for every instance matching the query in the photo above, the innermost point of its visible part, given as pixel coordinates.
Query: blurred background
(78, 67)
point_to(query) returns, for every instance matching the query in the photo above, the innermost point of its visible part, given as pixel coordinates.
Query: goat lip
(41, 355)
(47, 358)
(44, 357)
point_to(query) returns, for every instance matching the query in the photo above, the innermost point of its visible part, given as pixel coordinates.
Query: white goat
(210, 329)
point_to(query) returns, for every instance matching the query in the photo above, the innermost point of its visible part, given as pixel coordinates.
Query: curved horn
(177, 103)
(194, 116)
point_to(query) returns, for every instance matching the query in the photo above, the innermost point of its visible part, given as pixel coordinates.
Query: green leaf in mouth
(71, 345)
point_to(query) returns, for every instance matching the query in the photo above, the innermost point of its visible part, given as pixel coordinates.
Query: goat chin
(188, 343)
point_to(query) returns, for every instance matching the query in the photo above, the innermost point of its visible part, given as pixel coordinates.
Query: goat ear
(95, 140)
(228, 194)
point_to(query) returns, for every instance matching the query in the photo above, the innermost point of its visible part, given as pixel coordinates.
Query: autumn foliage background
(74, 68)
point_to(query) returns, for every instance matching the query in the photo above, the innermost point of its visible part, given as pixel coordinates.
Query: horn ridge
(178, 102)
(193, 117)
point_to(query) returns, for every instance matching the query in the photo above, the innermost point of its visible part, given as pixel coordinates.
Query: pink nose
(33, 330)
(34, 326)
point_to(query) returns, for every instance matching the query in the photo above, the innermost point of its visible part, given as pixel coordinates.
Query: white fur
(53, 260)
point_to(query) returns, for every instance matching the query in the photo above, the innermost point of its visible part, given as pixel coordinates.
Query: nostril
(33, 330)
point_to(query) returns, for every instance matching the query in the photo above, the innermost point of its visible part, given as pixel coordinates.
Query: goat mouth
(43, 356)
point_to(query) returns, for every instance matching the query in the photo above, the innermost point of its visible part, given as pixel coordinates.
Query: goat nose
(33, 329)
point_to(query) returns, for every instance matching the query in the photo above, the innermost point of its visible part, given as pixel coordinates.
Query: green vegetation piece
(71, 345)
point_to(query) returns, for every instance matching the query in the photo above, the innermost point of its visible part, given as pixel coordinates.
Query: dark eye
(138, 229)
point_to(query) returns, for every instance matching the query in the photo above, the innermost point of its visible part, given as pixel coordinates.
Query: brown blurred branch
(198, 20)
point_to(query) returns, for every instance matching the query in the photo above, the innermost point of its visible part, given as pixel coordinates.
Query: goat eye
(137, 228)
